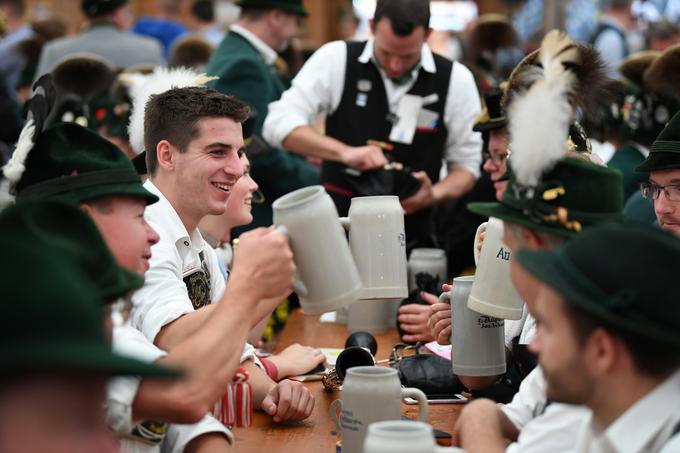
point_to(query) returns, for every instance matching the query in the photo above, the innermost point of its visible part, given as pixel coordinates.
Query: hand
(439, 321)
(423, 198)
(482, 235)
(288, 400)
(297, 359)
(263, 264)
(364, 158)
(413, 320)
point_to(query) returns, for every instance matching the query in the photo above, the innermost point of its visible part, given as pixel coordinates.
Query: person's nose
(151, 236)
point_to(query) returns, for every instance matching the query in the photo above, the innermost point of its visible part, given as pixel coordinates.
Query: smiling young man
(193, 138)
(391, 88)
(663, 165)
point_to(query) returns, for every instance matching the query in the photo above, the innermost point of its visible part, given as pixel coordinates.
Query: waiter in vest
(395, 112)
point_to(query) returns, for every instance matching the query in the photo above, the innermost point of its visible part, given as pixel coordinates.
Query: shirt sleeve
(164, 296)
(121, 391)
(529, 401)
(179, 436)
(463, 145)
(316, 89)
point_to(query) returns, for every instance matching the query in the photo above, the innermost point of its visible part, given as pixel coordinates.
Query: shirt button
(186, 243)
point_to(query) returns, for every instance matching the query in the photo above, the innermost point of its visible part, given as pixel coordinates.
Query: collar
(638, 426)
(268, 54)
(426, 57)
(163, 214)
(641, 149)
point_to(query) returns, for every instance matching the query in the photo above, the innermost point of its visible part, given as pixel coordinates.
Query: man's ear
(166, 155)
(427, 33)
(371, 25)
(531, 239)
(602, 352)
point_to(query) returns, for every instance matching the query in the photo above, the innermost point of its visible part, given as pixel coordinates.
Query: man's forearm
(307, 141)
(260, 383)
(479, 428)
(180, 329)
(457, 183)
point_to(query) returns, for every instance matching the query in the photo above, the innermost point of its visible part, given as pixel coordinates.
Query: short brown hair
(174, 115)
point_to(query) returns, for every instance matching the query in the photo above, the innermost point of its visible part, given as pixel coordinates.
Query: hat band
(64, 184)
(530, 200)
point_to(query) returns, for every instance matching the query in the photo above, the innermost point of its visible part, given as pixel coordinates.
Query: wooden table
(317, 433)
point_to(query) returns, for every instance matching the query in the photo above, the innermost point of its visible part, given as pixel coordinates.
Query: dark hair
(203, 10)
(404, 15)
(174, 116)
(650, 356)
(17, 6)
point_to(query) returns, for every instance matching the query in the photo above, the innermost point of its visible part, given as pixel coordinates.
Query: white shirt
(268, 54)
(524, 328)
(122, 391)
(164, 296)
(645, 427)
(319, 85)
(542, 429)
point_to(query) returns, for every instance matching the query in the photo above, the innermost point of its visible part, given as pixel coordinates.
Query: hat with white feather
(552, 188)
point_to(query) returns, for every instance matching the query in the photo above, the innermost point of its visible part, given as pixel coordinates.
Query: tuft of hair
(190, 51)
(633, 67)
(160, 81)
(82, 74)
(539, 117)
(663, 75)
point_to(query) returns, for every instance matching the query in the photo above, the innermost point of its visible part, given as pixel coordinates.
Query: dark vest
(364, 114)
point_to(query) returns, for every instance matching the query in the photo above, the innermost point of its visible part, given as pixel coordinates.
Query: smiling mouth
(223, 187)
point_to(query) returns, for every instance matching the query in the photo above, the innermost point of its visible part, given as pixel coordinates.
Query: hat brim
(78, 357)
(503, 212)
(128, 281)
(490, 125)
(546, 266)
(659, 161)
(108, 190)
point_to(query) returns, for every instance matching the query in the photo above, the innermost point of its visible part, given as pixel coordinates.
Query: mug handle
(419, 396)
(298, 286)
(442, 298)
(333, 410)
(480, 229)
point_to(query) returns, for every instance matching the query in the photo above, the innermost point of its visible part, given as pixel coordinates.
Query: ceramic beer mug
(427, 260)
(378, 244)
(403, 436)
(493, 293)
(477, 341)
(370, 394)
(320, 250)
(375, 316)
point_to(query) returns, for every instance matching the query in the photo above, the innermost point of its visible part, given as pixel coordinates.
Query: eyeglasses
(497, 160)
(651, 191)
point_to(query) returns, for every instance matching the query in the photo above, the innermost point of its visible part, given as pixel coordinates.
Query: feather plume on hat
(38, 107)
(539, 117)
(143, 87)
(663, 74)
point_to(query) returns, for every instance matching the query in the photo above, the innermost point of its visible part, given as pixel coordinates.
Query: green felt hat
(51, 308)
(665, 151)
(622, 274)
(72, 162)
(574, 194)
(293, 6)
(492, 116)
(68, 231)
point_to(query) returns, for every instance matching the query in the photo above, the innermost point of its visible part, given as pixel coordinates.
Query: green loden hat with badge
(293, 6)
(554, 185)
(665, 151)
(617, 273)
(72, 162)
(64, 229)
(51, 306)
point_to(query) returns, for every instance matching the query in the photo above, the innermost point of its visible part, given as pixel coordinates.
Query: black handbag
(392, 181)
(430, 373)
